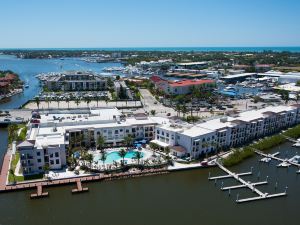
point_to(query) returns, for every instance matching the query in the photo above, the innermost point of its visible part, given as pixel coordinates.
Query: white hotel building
(51, 134)
(195, 140)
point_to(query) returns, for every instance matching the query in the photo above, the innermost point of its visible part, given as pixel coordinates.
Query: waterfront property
(51, 133)
(74, 81)
(231, 131)
(180, 87)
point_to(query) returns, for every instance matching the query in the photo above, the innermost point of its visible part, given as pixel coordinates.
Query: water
(114, 156)
(29, 68)
(176, 198)
(186, 49)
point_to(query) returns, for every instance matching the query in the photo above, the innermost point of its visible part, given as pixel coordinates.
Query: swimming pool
(114, 156)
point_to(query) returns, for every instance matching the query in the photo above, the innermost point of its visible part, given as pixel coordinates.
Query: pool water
(114, 156)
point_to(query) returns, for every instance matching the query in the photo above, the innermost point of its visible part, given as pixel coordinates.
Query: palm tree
(122, 153)
(11, 171)
(87, 100)
(100, 142)
(46, 168)
(178, 109)
(89, 158)
(37, 101)
(48, 100)
(103, 156)
(68, 102)
(138, 155)
(97, 100)
(128, 141)
(77, 101)
(57, 100)
(153, 112)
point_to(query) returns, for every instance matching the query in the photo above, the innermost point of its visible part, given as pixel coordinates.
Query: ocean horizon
(294, 49)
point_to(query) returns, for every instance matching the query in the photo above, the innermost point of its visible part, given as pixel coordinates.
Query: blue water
(114, 156)
(29, 68)
(185, 49)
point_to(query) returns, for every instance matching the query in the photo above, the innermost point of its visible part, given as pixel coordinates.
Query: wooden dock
(39, 192)
(246, 184)
(79, 188)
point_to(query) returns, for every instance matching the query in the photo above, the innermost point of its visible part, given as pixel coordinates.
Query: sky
(148, 23)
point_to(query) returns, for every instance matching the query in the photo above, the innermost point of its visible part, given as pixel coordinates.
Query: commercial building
(290, 77)
(196, 140)
(50, 134)
(121, 89)
(75, 81)
(180, 87)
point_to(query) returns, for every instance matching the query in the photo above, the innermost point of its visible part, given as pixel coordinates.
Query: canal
(178, 198)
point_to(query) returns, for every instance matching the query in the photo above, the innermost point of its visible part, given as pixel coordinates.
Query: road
(149, 104)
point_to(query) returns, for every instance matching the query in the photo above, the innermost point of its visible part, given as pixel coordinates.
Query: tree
(178, 109)
(103, 156)
(138, 156)
(122, 153)
(77, 101)
(46, 168)
(37, 101)
(11, 171)
(118, 77)
(12, 132)
(68, 102)
(89, 158)
(153, 112)
(48, 100)
(87, 100)
(128, 141)
(100, 142)
(57, 100)
(97, 100)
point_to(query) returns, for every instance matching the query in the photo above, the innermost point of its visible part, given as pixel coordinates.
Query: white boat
(229, 88)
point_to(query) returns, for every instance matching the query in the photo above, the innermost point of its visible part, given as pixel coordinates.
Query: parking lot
(75, 95)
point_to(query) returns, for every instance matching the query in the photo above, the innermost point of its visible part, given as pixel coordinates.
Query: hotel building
(180, 87)
(75, 81)
(232, 131)
(52, 133)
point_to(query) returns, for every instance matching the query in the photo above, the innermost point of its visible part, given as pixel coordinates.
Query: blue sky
(148, 23)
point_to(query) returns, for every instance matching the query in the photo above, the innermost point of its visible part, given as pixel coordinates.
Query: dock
(268, 159)
(79, 188)
(285, 161)
(245, 184)
(39, 193)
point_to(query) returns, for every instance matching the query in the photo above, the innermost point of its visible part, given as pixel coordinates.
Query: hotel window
(40, 168)
(39, 160)
(57, 161)
(51, 162)
(38, 153)
(56, 154)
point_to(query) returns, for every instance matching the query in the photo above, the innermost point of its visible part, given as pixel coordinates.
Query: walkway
(276, 158)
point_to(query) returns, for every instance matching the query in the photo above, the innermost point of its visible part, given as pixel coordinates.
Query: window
(56, 154)
(40, 168)
(51, 155)
(38, 153)
(51, 162)
(57, 161)
(39, 160)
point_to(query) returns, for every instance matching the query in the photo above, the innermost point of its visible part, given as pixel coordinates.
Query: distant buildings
(8, 81)
(121, 89)
(75, 81)
(180, 87)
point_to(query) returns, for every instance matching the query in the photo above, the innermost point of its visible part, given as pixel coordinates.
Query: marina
(245, 184)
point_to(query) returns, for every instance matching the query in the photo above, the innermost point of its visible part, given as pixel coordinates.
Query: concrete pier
(79, 188)
(39, 193)
(243, 185)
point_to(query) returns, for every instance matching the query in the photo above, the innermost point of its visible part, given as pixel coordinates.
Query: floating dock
(245, 184)
(268, 159)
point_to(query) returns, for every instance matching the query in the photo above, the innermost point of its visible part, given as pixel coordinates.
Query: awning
(160, 143)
